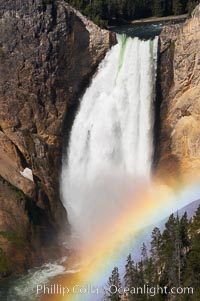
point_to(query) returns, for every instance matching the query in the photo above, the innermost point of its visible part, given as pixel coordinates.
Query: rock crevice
(48, 53)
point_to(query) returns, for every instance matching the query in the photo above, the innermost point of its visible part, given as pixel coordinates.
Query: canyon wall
(178, 138)
(48, 53)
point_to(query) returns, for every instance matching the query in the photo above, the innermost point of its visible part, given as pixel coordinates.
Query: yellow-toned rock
(179, 78)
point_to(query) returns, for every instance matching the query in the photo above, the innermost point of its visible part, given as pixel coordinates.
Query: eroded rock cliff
(179, 96)
(48, 52)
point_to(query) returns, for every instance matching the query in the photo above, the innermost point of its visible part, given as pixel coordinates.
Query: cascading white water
(111, 141)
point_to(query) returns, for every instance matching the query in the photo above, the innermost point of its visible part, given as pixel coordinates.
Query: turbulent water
(143, 31)
(111, 143)
(25, 288)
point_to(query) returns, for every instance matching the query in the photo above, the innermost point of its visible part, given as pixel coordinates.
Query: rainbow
(110, 247)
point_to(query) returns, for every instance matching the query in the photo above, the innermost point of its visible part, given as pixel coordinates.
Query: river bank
(146, 28)
(159, 19)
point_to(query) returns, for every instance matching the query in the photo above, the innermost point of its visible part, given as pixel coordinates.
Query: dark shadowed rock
(48, 53)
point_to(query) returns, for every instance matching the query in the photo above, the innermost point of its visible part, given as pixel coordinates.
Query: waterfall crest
(111, 140)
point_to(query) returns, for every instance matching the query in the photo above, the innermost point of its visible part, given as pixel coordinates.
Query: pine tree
(178, 253)
(130, 277)
(185, 243)
(140, 281)
(168, 7)
(177, 7)
(184, 231)
(145, 263)
(170, 249)
(158, 8)
(156, 244)
(114, 283)
(155, 251)
(105, 11)
(130, 271)
(130, 9)
(173, 261)
(191, 5)
(184, 5)
(192, 273)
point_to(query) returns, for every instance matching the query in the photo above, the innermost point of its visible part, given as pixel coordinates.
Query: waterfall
(111, 143)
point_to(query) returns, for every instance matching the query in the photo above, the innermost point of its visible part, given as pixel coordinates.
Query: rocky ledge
(179, 99)
(48, 52)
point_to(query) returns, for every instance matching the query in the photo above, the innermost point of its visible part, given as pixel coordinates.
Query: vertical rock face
(48, 52)
(179, 92)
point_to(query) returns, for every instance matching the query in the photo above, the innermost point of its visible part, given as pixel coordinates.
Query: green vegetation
(12, 237)
(172, 47)
(191, 5)
(2, 53)
(114, 280)
(20, 196)
(105, 12)
(17, 241)
(4, 262)
(121, 57)
(48, 1)
(172, 261)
